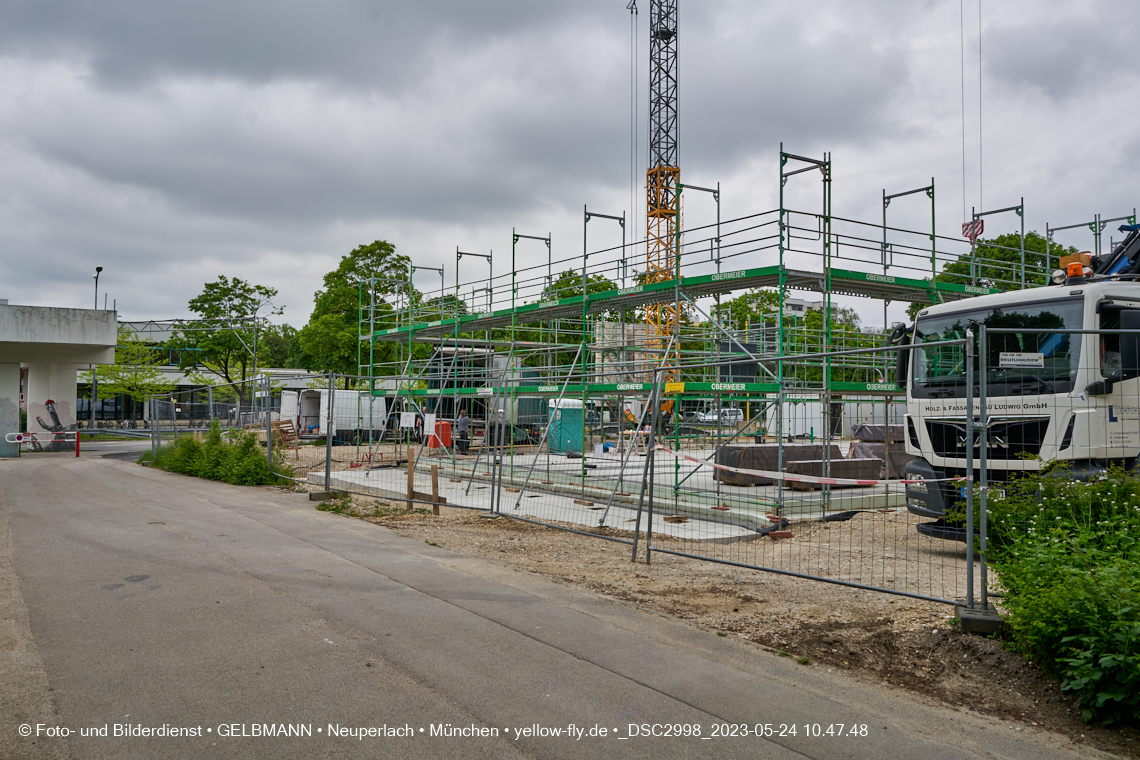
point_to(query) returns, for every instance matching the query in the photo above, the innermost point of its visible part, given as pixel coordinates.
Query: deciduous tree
(999, 264)
(222, 342)
(331, 339)
(135, 372)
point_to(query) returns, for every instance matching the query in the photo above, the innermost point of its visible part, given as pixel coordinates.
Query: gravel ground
(897, 641)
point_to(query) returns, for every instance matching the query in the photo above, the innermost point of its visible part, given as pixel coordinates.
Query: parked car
(727, 416)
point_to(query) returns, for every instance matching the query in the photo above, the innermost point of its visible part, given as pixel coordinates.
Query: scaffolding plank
(844, 282)
(610, 389)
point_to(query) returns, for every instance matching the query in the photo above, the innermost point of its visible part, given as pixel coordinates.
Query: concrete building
(120, 411)
(50, 346)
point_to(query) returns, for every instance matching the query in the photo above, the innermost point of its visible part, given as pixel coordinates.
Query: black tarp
(877, 432)
(765, 456)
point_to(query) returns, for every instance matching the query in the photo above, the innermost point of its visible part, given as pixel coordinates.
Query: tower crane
(663, 213)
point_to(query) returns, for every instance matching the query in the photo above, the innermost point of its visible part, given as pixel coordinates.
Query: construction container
(565, 425)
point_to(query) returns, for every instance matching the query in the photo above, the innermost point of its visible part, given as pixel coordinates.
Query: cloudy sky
(173, 142)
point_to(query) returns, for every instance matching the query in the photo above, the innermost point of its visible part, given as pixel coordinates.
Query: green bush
(184, 456)
(214, 454)
(247, 465)
(241, 462)
(1066, 554)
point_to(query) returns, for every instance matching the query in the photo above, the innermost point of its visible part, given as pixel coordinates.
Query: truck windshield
(1035, 360)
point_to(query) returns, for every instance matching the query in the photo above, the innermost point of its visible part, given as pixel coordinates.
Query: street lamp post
(94, 380)
(97, 271)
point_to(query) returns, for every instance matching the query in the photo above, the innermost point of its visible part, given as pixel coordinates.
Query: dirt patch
(893, 640)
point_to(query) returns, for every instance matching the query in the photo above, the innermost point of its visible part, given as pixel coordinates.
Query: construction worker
(463, 430)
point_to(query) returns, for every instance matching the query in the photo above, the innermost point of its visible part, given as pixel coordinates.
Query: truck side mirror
(1130, 343)
(1099, 388)
(900, 336)
(902, 365)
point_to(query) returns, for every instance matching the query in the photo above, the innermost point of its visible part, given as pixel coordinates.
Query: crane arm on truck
(1125, 258)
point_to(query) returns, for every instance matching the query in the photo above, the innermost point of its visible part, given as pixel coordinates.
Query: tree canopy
(569, 283)
(763, 304)
(442, 307)
(135, 372)
(331, 339)
(277, 346)
(999, 263)
(222, 341)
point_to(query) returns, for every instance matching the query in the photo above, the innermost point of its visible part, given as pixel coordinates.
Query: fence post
(493, 431)
(328, 435)
(435, 490)
(970, 469)
(268, 425)
(651, 455)
(647, 477)
(497, 458)
(983, 427)
(411, 480)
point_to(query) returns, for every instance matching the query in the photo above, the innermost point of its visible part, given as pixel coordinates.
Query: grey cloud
(365, 42)
(1063, 55)
(466, 141)
(842, 67)
(521, 120)
(172, 143)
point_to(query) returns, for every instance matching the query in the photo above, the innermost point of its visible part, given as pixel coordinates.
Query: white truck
(356, 414)
(1050, 395)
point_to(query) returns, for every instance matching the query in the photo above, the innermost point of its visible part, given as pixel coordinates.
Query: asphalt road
(135, 598)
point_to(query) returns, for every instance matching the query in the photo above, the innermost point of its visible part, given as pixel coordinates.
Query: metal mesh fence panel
(807, 481)
(712, 474)
(800, 493)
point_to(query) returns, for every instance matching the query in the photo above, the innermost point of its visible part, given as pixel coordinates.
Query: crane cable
(962, 43)
(981, 201)
(632, 6)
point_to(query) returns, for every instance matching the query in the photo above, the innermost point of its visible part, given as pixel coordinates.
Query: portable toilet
(565, 425)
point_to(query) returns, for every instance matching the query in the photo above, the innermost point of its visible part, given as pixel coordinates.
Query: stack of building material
(856, 469)
(872, 440)
(766, 457)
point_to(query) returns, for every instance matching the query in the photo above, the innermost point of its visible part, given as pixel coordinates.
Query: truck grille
(1005, 439)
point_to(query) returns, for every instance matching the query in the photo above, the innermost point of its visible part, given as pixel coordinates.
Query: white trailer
(355, 413)
(801, 419)
(289, 408)
(871, 411)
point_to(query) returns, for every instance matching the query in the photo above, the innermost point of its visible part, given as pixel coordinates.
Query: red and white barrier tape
(788, 477)
(45, 437)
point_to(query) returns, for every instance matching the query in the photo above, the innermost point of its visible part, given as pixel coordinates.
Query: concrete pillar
(51, 382)
(9, 407)
(52, 343)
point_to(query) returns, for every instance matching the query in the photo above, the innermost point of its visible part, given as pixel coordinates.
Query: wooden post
(411, 480)
(435, 490)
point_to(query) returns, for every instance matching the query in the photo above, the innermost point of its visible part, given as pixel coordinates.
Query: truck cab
(1050, 396)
